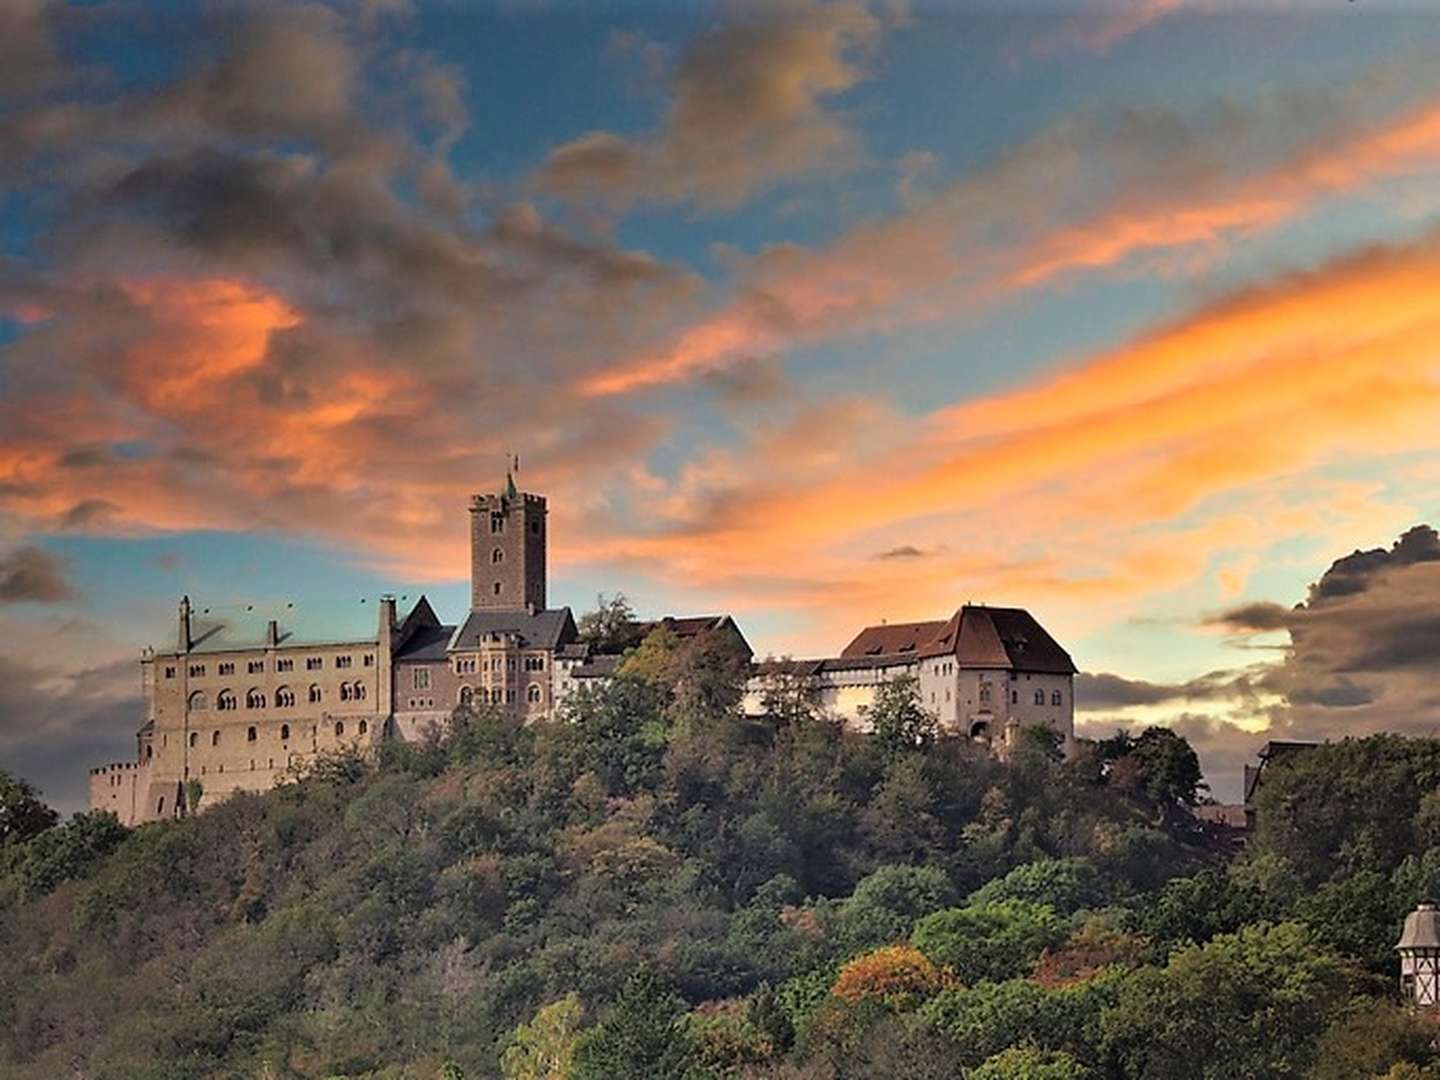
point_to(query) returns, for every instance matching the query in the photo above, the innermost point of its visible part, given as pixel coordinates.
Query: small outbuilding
(1419, 949)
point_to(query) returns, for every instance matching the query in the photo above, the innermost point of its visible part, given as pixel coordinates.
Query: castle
(239, 703)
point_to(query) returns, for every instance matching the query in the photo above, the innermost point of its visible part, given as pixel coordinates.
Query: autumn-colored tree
(899, 975)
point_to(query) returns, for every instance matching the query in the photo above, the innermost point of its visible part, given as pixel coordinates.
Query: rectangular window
(169, 672)
(369, 660)
(227, 668)
(256, 666)
(197, 670)
(342, 661)
(422, 678)
(284, 665)
(313, 663)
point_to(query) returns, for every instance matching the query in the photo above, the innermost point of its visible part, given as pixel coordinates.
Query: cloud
(748, 110)
(904, 551)
(33, 575)
(1138, 184)
(274, 312)
(50, 722)
(1097, 692)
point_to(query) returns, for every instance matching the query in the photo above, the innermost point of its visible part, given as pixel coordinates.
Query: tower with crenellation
(507, 551)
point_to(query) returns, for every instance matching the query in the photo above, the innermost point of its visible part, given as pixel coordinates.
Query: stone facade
(238, 702)
(985, 673)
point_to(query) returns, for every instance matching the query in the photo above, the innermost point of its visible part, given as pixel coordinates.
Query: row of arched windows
(499, 696)
(1055, 698)
(226, 701)
(252, 733)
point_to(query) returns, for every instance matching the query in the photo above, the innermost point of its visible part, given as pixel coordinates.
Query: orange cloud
(924, 265)
(1064, 487)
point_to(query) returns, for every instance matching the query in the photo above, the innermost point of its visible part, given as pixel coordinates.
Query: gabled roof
(892, 639)
(598, 667)
(979, 637)
(539, 630)
(687, 627)
(428, 642)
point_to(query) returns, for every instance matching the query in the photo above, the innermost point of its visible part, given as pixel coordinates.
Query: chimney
(182, 639)
(387, 621)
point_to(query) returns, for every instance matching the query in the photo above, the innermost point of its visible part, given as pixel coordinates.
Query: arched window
(194, 738)
(532, 694)
(339, 728)
(149, 753)
(215, 737)
(364, 728)
(251, 734)
(314, 694)
(198, 701)
(1055, 698)
(498, 555)
(254, 699)
(984, 693)
(359, 691)
(285, 698)
(344, 691)
(225, 701)
(284, 732)
(467, 697)
(1039, 697)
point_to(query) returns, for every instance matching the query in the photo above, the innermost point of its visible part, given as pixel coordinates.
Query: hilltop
(654, 887)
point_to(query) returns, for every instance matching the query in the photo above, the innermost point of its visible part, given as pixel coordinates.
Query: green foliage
(454, 904)
(64, 852)
(1157, 763)
(899, 721)
(1346, 807)
(998, 940)
(642, 1037)
(1067, 885)
(22, 813)
(609, 627)
(544, 1048)
(1027, 1063)
(1252, 1003)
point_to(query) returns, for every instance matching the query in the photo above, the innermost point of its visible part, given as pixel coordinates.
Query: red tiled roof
(979, 637)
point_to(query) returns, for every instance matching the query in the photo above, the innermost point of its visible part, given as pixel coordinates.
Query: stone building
(986, 673)
(241, 700)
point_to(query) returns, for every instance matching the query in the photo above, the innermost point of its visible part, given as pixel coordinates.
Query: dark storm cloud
(52, 726)
(33, 575)
(1363, 656)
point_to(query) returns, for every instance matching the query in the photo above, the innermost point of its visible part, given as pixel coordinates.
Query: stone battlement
(114, 766)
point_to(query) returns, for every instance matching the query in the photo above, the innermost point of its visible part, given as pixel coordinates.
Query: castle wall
(121, 789)
(290, 703)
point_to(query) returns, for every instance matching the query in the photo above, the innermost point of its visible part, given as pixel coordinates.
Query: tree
(544, 1049)
(1158, 764)
(22, 814)
(642, 1037)
(789, 697)
(899, 722)
(898, 975)
(989, 941)
(610, 627)
(1028, 1063)
(1371, 1040)
(1067, 885)
(1247, 1004)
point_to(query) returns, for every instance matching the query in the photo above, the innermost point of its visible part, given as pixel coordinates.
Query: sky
(817, 313)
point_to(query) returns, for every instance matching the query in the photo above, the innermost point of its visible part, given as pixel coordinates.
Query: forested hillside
(657, 889)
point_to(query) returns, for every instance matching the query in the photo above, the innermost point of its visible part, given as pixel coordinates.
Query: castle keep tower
(507, 551)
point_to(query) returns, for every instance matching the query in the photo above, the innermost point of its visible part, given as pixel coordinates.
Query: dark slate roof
(597, 667)
(576, 650)
(686, 627)
(979, 637)
(425, 643)
(541, 629)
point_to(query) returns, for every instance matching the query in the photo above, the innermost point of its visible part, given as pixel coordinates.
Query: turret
(1419, 949)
